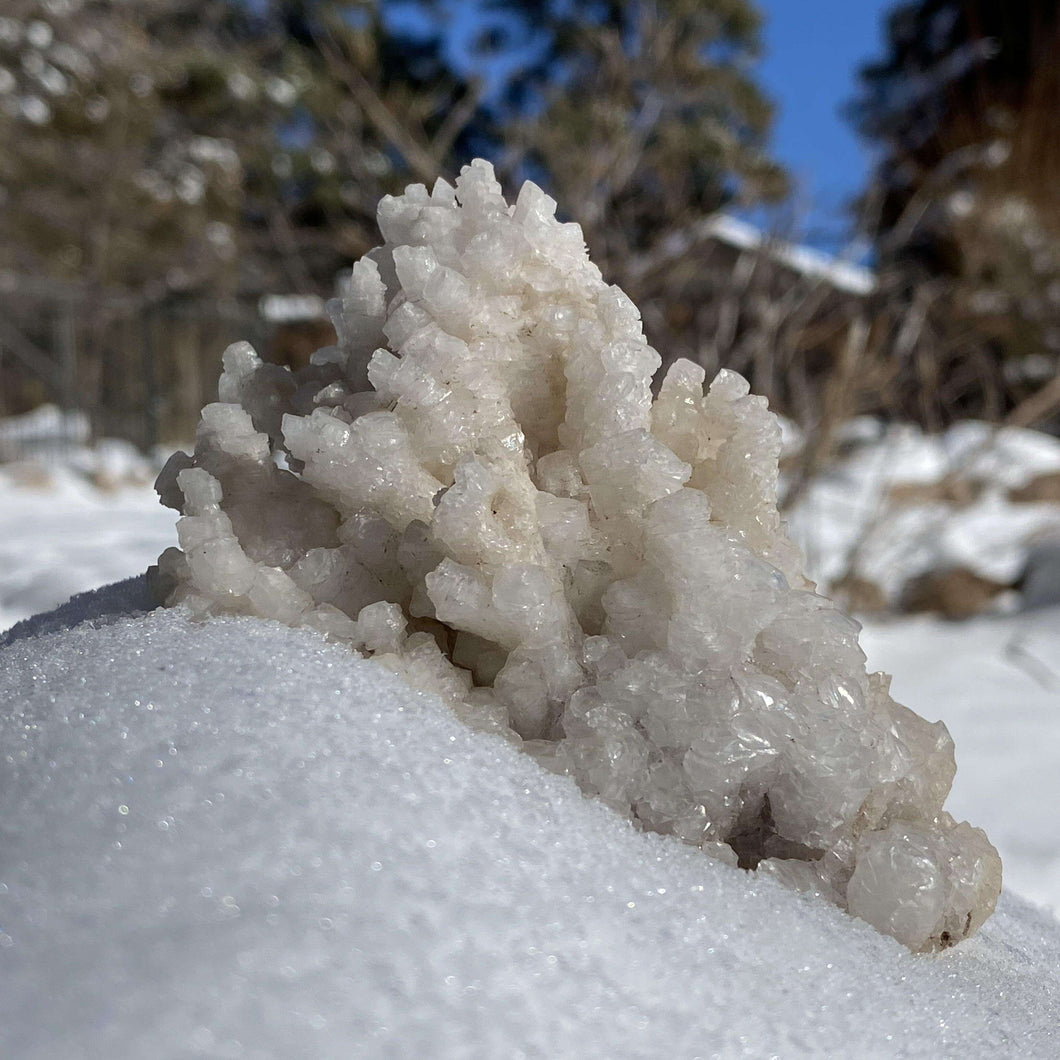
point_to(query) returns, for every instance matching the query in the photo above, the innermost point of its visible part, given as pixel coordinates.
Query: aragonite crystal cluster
(477, 488)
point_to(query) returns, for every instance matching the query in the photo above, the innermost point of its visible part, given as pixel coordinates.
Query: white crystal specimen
(476, 487)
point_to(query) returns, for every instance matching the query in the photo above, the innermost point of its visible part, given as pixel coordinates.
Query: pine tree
(644, 114)
(642, 118)
(966, 202)
(381, 108)
(167, 162)
(211, 145)
(102, 181)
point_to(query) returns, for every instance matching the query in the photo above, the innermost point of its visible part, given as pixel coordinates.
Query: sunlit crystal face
(479, 490)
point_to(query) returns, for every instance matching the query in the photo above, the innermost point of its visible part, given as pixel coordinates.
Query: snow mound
(477, 487)
(231, 839)
(119, 600)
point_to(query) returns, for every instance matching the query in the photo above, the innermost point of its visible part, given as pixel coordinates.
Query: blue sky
(813, 50)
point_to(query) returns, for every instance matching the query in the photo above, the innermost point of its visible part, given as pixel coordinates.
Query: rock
(26, 474)
(1045, 487)
(476, 487)
(1040, 581)
(860, 596)
(950, 489)
(956, 593)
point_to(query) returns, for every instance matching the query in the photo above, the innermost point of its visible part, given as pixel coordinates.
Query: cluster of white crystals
(476, 487)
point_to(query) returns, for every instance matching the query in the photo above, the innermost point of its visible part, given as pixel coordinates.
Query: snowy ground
(996, 684)
(60, 534)
(233, 840)
(281, 847)
(995, 681)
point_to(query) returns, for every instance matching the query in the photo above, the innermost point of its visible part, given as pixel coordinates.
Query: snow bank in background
(997, 681)
(47, 429)
(49, 439)
(60, 534)
(231, 839)
(903, 503)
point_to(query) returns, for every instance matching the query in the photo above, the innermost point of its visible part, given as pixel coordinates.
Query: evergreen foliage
(192, 145)
(209, 145)
(967, 197)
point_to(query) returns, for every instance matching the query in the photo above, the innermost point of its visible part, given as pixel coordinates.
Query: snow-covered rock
(902, 503)
(477, 488)
(231, 839)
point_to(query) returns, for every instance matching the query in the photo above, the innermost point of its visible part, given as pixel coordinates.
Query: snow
(1008, 457)
(60, 534)
(995, 681)
(316, 860)
(846, 520)
(283, 308)
(47, 428)
(232, 839)
(841, 274)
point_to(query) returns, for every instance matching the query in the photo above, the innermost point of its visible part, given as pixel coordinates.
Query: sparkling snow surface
(233, 840)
